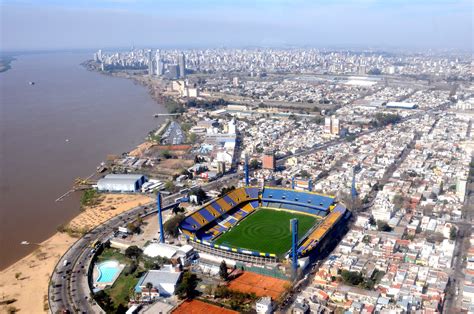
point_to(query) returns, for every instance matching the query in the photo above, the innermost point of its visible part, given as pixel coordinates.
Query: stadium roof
(309, 199)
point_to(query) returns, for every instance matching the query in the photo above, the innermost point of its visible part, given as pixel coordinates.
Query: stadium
(250, 224)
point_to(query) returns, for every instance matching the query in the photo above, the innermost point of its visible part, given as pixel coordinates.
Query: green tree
(223, 271)
(254, 164)
(200, 194)
(170, 186)
(171, 226)
(304, 174)
(166, 154)
(383, 226)
(133, 252)
(149, 286)
(372, 221)
(187, 288)
(452, 233)
(192, 138)
(352, 277)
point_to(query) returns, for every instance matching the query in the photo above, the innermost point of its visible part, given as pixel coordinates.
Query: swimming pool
(108, 271)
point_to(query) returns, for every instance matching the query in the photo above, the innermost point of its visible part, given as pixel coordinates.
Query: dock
(156, 115)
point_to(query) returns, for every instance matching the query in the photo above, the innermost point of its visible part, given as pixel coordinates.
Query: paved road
(341, 140)
(69, 288)
(454, 297)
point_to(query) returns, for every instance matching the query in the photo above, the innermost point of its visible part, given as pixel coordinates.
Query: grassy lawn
(121, 290)
(266, 231)
(113, 254)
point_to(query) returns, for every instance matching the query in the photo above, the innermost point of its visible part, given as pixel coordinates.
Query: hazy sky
(55, 24)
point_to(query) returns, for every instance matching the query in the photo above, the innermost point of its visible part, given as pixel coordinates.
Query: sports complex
(252, 224)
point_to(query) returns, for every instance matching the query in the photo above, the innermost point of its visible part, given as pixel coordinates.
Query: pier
(156, 115)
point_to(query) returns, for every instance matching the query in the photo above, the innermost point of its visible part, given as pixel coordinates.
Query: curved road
(69, 287)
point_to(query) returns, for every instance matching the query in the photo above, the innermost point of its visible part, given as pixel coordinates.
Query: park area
(266, 231)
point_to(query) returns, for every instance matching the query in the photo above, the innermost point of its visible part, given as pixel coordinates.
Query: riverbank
(157, 88)
(25, 283)
(5, 63)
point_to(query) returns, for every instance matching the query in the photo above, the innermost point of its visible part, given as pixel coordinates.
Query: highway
(69, 289)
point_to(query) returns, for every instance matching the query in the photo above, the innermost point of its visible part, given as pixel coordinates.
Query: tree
(149, 286)
(169, 185)
(254, 164)
(187, 288)
(200, 194)
(372, 221)
(352, 277)
(383, 226)
(133, 228)
(133, 252)
(176, 210)
(192, 138)
(223, 270)
(452, 233)
(304, 174)
(17, 275)
(171, 226)
(166, 154)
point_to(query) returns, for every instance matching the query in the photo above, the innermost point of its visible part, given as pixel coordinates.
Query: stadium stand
(311, 203)
(315, 237)
(215, 212)
(206, 224)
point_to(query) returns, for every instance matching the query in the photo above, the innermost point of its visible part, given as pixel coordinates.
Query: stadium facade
(218, 218)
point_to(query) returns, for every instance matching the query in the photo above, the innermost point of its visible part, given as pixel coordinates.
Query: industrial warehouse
(121, 183)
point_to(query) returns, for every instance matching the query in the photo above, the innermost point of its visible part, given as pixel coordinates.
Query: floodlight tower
(293, 183)
(310, 185)
(353, 188)
(246, 170)
(160, 217)
(294, 244)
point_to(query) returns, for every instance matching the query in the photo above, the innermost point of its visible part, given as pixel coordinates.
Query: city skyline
(52, 25)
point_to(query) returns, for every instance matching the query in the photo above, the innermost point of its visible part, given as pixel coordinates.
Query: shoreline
(87, 66)
(24, 283)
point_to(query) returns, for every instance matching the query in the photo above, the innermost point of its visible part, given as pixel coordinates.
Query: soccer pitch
(266, 231)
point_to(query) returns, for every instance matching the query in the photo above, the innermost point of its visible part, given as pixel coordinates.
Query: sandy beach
(26, 281)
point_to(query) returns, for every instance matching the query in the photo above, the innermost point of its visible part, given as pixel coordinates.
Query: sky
(366, 24)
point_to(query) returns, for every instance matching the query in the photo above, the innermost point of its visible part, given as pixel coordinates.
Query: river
(54, 131)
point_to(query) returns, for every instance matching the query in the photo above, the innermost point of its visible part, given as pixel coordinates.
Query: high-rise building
(327, 124)
(182, 66)
(235, 81)
(332, 125)
(160, 68)
(158, 63)
(99, 55)
(269, 161)
(150, 63)
(335, 126)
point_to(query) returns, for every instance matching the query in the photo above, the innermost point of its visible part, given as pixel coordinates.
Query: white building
(121, 183)
(164, 282)
(264, 305)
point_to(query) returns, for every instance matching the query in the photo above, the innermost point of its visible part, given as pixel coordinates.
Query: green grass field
(266, 231)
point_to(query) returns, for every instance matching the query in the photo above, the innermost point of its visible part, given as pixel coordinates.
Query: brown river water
(54, 131)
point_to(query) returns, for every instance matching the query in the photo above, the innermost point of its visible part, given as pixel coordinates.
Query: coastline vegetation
(90, 198)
